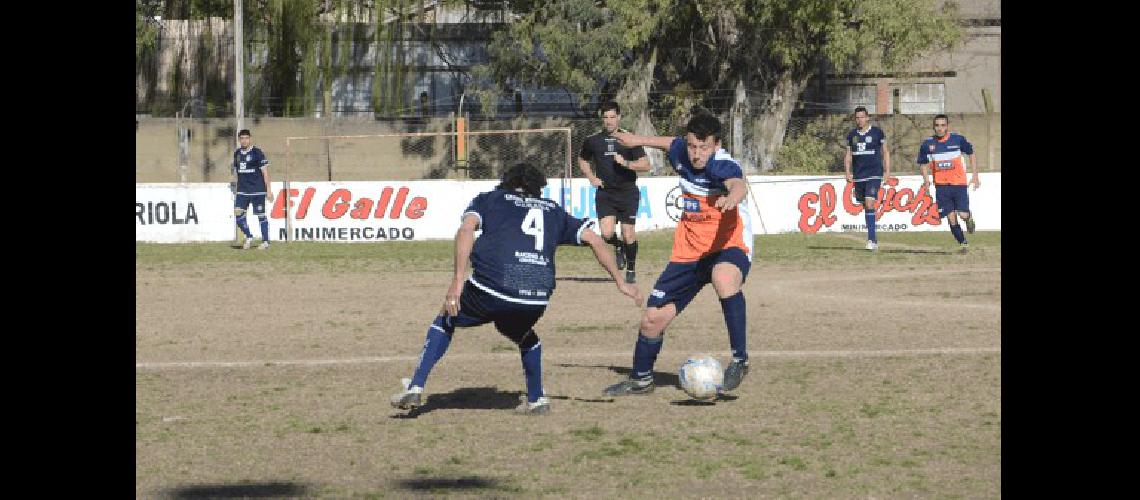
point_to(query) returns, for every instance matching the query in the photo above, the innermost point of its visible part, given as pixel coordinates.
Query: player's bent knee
(726, 280)
(525, 340)
(655, 319)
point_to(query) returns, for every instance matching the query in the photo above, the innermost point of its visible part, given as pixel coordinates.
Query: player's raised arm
(737, 190)
(639, 165)
(654, 141)
(605, 257)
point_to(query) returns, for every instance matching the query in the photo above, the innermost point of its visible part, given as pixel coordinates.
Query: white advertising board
(426, 210)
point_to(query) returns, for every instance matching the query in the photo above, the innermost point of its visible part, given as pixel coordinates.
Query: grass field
(268, 373)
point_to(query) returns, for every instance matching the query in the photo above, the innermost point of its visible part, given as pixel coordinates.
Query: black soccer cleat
(630, 277)
(734, 374)
(629, 387)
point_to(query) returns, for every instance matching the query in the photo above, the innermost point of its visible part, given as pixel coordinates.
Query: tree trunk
(742, 147)
(773, 123)
(634, 100)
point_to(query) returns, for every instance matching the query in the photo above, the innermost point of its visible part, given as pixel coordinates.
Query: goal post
(459, 154)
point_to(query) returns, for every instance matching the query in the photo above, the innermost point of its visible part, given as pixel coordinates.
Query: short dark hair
(944, 117)
(608, 105)
(525, 176)
(245, 132)
(703, 125)
(861, 108)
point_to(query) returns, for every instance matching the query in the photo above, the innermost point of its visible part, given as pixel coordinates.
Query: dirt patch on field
(879, 382)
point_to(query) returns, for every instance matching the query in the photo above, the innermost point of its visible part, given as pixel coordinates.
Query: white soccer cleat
(872, 246)
(539, 407)
(409, 398)
(263, 246)
(247, 244)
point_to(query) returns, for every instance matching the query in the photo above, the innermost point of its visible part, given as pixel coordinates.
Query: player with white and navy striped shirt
(512, 276)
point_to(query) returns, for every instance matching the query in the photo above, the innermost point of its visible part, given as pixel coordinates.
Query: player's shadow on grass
(241, 490)
(662, 379)
(883, 250)
(585, 279)
(693, 402)
(467, 398)
(436, 484)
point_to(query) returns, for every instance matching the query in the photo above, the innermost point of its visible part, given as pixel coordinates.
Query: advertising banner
(425, 210)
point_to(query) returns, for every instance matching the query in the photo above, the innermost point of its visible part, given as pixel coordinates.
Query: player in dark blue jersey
(512, 277)
(867, 152)
(251, 167)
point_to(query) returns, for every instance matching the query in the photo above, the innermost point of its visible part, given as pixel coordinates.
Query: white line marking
(555, 356)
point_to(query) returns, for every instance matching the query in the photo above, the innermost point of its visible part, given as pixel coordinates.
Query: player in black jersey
(614, 174)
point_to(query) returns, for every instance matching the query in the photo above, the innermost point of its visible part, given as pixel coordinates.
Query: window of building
(844, 98)
(919, 98)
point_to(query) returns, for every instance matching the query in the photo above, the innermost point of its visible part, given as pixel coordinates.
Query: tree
(673, 55)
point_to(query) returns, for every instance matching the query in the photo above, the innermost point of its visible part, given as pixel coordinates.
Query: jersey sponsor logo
(342, 201)
(531, 258)
(657, 293)
(817, 209)
(522, 201)
(691, 205)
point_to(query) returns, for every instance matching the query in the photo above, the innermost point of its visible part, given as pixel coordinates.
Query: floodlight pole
(239, 95)
(239, 70)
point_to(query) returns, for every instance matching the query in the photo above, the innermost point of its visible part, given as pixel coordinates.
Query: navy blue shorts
(951, 198)
(866, 189)
(681, 281)
(258, 200)
(477, 307)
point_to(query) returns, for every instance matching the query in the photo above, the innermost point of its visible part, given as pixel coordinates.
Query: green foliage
(580, 45)
(817, 150)
(590, 47)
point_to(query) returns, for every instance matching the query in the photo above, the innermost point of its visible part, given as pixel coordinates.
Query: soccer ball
(701, 376)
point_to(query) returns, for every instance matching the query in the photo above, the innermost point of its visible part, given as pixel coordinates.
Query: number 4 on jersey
(532, 225)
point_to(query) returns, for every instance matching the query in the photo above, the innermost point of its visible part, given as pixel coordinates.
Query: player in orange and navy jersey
(712, 244)
(945, 151)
